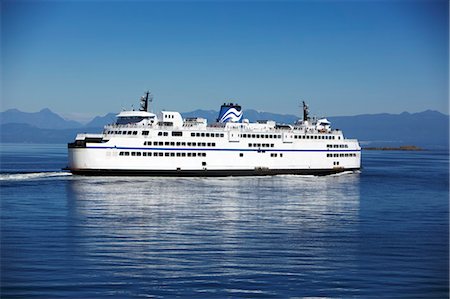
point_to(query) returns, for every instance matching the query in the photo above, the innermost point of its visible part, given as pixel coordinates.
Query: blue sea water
(380, 232)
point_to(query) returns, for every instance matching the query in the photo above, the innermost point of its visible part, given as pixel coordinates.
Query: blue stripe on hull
(220, 149)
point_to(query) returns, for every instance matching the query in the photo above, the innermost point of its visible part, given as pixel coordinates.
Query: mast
(305, 112)
(145, 101)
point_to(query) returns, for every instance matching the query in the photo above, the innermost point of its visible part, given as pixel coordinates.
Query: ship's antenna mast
(145, 101)
(305, 112)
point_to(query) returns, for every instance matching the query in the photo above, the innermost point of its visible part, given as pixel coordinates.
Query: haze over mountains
(427, 129)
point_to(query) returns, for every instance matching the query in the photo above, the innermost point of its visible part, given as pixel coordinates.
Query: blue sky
(86, 58)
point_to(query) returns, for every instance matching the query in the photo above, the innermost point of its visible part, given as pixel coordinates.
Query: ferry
(166, 144)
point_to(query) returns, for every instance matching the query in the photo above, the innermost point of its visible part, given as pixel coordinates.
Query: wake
(345, 173)
(32, 175)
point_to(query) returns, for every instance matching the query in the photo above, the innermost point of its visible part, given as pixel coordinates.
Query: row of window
(124, 132)
(161, 154)
(337, 145)
(341, 155)
(260, 145)
(272, 136)
(180, 134)
(315, 137)
(278, 136)
(172, 143)
(174, 133)
(195, 154)
(207, 134)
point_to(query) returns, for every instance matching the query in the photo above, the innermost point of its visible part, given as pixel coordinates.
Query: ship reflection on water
(229, 236)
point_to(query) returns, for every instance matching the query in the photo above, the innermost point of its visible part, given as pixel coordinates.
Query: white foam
(31, 175)
(345, 172)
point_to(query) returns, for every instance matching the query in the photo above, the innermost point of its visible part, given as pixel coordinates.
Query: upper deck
(147, 124)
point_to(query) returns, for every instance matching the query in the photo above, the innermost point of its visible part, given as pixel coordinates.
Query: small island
(400, 148)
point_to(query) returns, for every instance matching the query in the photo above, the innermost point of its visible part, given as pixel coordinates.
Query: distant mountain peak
(44, 119)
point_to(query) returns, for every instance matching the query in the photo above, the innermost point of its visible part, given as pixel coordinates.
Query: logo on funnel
(230, 112)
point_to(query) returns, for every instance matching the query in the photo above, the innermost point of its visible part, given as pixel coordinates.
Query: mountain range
(427, 129)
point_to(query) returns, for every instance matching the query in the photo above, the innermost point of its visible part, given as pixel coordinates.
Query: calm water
(382, 232)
